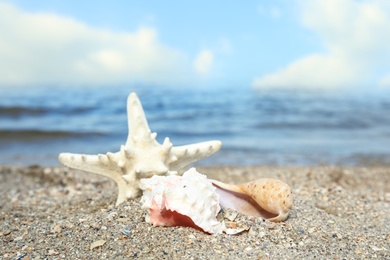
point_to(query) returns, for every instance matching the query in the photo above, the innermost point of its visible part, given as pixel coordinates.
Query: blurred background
(278, 82)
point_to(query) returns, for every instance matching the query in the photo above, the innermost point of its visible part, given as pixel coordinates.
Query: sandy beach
(58, 213)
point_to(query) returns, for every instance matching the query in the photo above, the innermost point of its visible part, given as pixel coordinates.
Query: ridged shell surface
(174, 200)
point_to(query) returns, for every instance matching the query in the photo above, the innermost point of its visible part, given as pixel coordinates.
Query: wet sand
(56, 212)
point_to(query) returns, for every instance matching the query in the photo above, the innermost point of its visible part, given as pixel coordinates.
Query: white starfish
(141, 157)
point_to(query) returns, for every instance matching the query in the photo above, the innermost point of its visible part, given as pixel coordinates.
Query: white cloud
(315, 71)
(42, 48)
(356, 36)
(203, 62)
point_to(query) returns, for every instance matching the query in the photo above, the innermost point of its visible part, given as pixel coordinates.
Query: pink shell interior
(169, 218)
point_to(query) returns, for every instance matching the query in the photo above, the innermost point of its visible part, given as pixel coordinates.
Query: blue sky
(260, 44)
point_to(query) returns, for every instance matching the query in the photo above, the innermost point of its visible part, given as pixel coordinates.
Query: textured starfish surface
(141, 157)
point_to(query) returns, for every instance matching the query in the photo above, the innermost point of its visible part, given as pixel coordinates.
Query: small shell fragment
(126, 232)
(97, 244)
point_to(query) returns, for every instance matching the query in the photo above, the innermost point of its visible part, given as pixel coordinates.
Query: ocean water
(255, 127)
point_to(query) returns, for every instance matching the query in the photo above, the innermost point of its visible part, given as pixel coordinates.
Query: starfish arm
(101, 164)
(137, 123)
(188, 154)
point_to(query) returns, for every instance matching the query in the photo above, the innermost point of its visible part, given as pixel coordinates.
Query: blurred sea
(255, 127)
